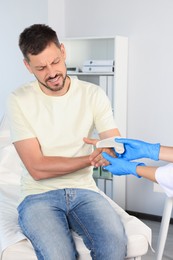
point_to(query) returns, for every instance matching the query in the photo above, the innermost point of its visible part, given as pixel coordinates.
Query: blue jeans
(48, 218)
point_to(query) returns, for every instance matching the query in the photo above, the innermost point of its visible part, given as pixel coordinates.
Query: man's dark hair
(36, 38)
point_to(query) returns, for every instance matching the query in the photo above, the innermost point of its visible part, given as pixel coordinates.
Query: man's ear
(63, 51)
(27, 65)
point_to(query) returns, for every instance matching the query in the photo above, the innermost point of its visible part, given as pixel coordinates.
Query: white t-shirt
(164, 176)
(59, 123)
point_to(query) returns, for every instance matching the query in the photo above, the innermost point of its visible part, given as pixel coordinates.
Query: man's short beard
(54, 90)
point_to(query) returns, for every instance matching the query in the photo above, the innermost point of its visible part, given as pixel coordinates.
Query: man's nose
(51, 71)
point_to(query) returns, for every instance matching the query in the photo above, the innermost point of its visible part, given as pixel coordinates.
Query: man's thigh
(45, 223)
(99, 225)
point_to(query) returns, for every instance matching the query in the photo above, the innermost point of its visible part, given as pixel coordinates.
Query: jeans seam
(86, 233)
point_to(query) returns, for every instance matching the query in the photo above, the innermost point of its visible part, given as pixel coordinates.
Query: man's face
(49, 69)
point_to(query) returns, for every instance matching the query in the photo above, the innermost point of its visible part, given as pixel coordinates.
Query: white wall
(148, 25)
(56, 14)
(14, 17)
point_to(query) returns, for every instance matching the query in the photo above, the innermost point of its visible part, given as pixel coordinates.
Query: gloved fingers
(119, 155)
(123, 140)
(107, 168)
(141, 164)
(122, 155)
(107, 157)
(128, 141)
(120, 139)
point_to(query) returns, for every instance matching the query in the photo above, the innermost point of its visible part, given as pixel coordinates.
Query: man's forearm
(51, 167)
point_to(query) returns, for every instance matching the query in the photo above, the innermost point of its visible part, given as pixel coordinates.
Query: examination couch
(13, 243)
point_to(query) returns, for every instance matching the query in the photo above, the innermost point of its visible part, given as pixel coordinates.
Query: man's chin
(55, 88)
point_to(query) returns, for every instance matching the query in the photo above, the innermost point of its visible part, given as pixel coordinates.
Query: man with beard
(49, 119)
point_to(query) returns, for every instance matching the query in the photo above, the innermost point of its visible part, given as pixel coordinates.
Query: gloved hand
(135, 149)
(120, 166)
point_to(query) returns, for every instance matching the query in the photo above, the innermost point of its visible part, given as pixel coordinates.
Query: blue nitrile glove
(120, 166)
(136, 149)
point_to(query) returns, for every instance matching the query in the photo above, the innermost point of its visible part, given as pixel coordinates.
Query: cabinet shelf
(90, 74)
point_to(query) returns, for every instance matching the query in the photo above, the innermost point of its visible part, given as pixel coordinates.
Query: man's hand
(96, 157)
(136, 149)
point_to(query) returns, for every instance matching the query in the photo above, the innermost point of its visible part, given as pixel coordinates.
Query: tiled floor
(168, 251)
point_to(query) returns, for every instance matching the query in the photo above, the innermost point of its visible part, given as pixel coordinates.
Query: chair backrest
(4, 132)
(10, 163)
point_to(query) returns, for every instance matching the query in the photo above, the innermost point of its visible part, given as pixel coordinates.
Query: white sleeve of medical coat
(164, 177)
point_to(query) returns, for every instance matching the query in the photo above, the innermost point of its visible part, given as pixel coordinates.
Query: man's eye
(56, 62)
(40, 68)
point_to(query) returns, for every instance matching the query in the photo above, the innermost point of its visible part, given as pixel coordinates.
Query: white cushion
(10, 163)
(10, 166)
(4, 132)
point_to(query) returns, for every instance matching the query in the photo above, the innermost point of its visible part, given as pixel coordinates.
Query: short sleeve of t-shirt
(102, 110)
(19, 126)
